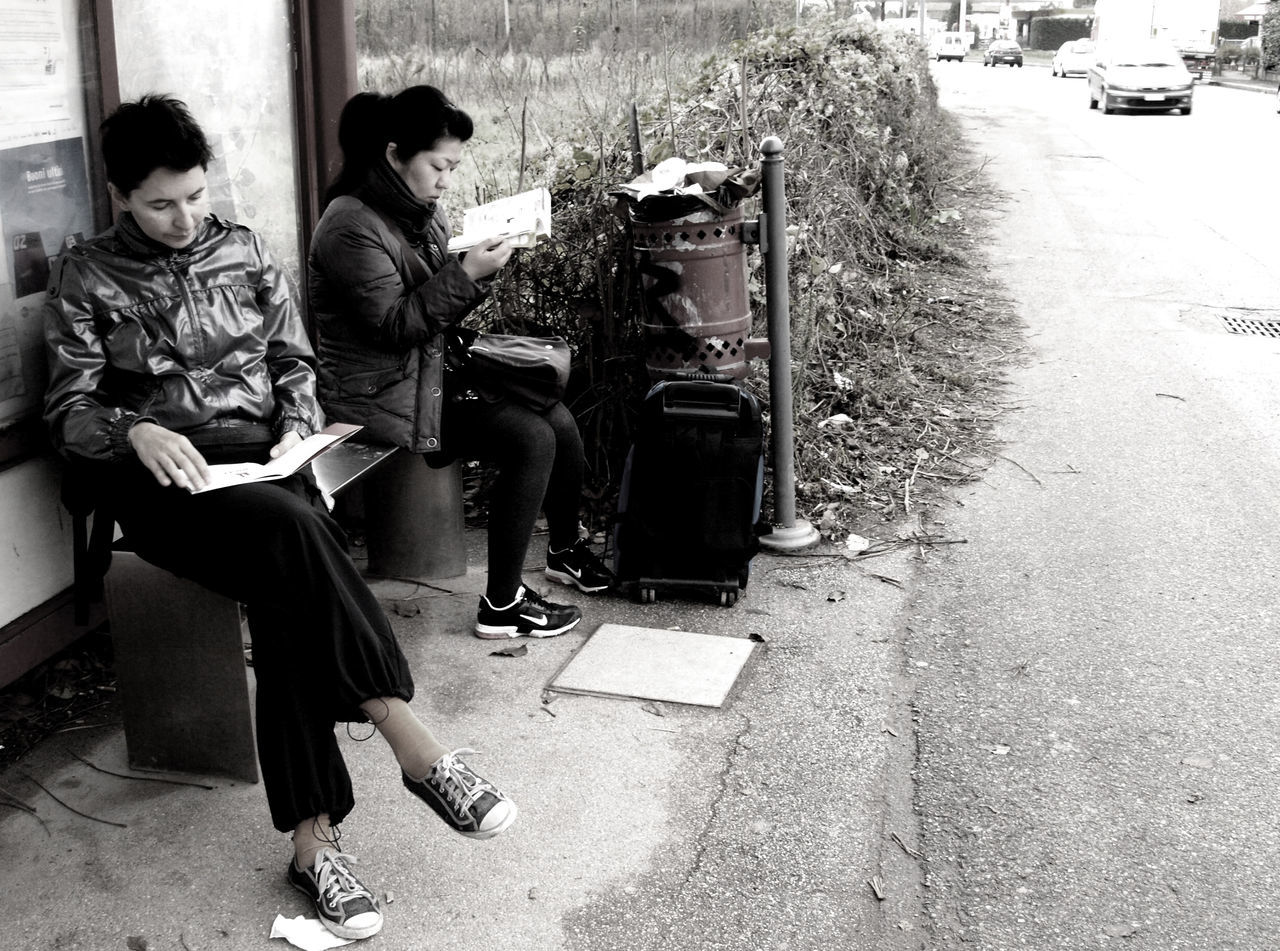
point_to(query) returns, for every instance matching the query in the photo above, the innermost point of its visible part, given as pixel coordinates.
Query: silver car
(1073, 58)
(1146, 74)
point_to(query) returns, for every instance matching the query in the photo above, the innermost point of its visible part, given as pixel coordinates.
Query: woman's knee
(522, 437)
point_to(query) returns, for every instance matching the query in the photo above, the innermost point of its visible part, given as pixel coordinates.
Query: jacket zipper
(199, 332)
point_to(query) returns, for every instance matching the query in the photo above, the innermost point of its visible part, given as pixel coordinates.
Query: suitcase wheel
(648, 595)
(728, 598)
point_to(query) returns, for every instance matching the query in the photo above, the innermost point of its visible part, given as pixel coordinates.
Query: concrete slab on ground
(646, 663)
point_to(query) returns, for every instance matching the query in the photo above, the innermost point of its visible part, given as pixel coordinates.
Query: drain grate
(1251, 325)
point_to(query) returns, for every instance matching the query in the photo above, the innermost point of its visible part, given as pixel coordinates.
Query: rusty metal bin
(693, 282)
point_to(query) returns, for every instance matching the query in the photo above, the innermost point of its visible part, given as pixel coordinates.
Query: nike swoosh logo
(576, 572)
(538, 619)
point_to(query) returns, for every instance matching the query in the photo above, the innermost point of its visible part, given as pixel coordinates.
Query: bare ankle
(310, 836)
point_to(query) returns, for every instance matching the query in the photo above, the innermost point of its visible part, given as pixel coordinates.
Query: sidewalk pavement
(1245, 81)
(643, 825)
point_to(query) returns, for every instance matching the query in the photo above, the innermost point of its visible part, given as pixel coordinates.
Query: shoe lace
(455, 778)
(336, 880)
(538, 601)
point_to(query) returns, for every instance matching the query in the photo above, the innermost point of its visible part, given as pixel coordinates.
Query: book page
(238, 473)
(520, 219)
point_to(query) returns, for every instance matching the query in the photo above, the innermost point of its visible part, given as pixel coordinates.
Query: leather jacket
(379, 330)
(206, 341)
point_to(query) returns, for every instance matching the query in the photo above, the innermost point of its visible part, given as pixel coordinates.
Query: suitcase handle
(703, 400)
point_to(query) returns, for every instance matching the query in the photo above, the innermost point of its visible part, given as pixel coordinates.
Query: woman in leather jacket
(173, 342)
(385, 295)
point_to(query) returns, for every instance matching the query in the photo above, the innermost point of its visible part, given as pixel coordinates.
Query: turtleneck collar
(138, 240)
(385, 189)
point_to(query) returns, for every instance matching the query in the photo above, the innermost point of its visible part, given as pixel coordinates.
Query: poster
(44, 207)
(44, 194)
(36, 85)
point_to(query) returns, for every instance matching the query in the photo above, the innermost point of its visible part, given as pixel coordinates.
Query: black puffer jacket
(378, 331)
(206, 341)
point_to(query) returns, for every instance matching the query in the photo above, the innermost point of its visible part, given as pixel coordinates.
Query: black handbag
(533, 371)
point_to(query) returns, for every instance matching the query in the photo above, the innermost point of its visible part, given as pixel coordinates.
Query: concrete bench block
(180, 666)
(414, 524)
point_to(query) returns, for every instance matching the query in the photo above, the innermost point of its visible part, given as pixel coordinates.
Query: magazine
(241, 473)
(520, 219)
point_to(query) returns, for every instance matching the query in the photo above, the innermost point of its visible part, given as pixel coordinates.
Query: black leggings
(539, 461)
(322, 644)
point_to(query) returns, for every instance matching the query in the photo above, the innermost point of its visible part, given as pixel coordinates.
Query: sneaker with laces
(529, 615)
(346, 907)
(578, 565)
(466, 802)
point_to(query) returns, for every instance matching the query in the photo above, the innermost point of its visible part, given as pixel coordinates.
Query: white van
(949, 46)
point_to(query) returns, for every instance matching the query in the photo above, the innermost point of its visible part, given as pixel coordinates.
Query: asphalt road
(1094, 672)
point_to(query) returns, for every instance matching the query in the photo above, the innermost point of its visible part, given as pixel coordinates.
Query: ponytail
(415, 119)
(362, 140)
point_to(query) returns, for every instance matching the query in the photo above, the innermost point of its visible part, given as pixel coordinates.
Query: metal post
(789, 533)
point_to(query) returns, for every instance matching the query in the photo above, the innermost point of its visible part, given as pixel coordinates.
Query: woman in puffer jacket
(173, 342)
(384, 294)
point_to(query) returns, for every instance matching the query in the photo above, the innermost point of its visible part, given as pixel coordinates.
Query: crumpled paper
(306, 933)
(710, 184)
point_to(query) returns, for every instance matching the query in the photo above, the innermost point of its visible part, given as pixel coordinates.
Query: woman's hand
(169, 455)
(287, 442)
(486, 258)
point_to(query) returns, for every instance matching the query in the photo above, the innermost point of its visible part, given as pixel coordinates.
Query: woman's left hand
(486, 259)
(287, 442)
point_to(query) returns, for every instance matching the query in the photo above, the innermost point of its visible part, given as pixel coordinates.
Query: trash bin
(693, 288)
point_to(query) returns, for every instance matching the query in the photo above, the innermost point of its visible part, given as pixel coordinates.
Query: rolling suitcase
(690, 497)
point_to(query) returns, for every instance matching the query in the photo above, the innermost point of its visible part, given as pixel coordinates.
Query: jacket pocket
(368, 383)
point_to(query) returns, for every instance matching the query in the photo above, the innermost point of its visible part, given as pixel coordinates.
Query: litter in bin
(676, 187)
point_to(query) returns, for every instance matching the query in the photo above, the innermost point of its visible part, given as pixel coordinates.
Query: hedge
(1048, 33)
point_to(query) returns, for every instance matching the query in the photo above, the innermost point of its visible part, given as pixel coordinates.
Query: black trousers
(321, 642)
(539, 461)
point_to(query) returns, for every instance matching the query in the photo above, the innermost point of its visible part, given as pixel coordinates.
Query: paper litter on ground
(306, 933)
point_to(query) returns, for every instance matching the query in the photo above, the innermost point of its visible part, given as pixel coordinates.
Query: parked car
(1141, 74)
(1073, 58)
(950, 46)
(1003, 51)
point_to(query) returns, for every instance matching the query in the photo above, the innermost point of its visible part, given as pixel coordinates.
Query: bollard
(789, 533)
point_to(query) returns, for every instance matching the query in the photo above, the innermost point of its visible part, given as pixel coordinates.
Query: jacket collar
(385, 189)
(136, 240)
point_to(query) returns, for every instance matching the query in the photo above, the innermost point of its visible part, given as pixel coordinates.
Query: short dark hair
(154, 132)
(415, 119)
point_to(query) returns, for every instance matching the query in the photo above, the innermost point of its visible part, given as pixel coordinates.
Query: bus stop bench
(180, 648)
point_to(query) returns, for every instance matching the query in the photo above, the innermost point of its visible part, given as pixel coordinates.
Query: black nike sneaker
(529, 615)
(578, 565)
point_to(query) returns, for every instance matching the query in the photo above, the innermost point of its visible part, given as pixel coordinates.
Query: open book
(240, 473)
(521, 219)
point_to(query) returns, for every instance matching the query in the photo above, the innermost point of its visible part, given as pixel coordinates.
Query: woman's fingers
(169, 456)
(287, 442)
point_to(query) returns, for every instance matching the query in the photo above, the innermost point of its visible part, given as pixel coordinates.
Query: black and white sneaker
(529, 615)
(578, 565)
(466, 802)
(346, 907)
